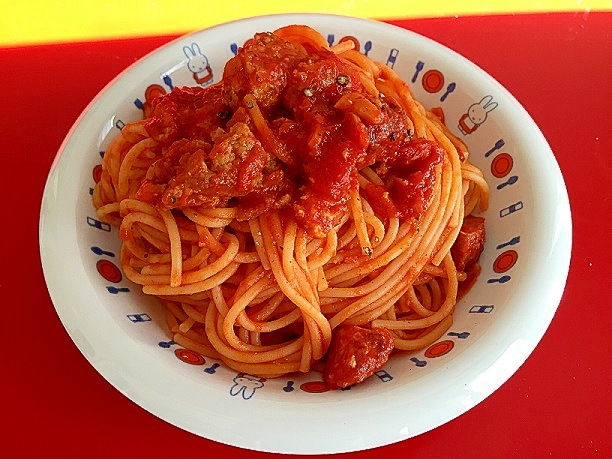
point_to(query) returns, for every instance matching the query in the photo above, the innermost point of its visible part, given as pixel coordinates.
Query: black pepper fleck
(343, 80)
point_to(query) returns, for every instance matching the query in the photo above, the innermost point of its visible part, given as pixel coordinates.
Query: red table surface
(557, 404)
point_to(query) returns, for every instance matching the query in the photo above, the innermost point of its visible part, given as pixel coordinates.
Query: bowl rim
(119, 370)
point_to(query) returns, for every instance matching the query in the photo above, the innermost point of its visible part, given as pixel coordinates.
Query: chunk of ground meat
(355, 354)
(470, 242)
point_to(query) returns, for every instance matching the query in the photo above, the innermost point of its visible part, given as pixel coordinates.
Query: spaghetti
(305, 198)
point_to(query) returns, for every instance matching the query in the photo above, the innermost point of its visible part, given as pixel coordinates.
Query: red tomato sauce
(325, 127)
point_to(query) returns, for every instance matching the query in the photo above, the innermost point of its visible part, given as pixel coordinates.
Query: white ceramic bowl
(497, 325)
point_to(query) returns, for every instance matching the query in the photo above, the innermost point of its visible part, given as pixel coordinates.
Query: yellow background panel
(46, 21)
